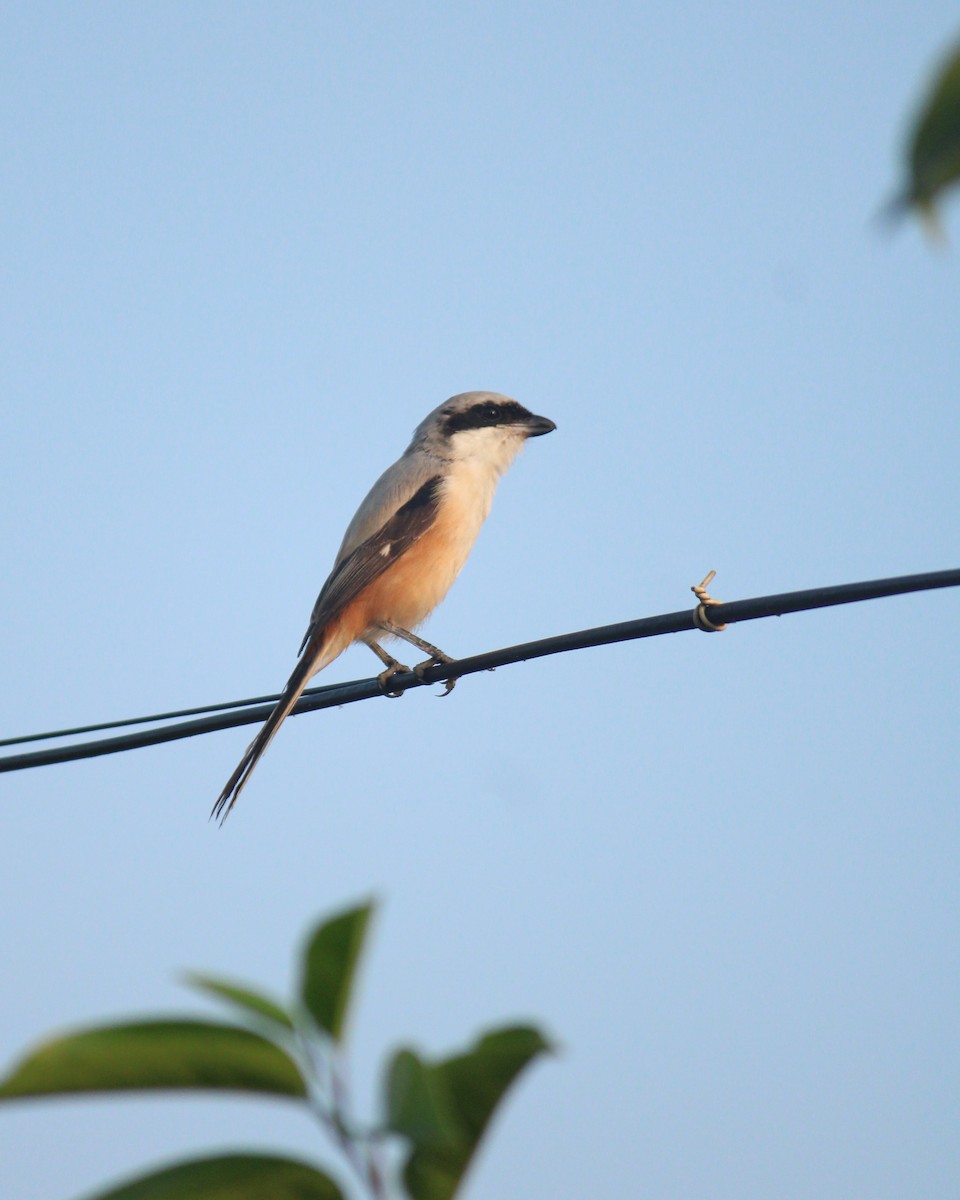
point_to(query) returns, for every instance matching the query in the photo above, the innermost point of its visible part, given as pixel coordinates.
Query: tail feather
(322, 656)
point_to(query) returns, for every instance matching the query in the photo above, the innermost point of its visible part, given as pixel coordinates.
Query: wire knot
(700, 618)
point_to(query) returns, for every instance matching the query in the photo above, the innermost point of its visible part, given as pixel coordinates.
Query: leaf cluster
(436, 1110)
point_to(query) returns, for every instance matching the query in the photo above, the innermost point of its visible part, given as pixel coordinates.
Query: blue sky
(246, 248)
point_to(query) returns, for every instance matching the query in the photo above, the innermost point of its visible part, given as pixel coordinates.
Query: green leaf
(244, 997)
(418, 1106)
(155, 1054)
(933, 147)
(464, 1092)
(329, 965)
(230, 1177)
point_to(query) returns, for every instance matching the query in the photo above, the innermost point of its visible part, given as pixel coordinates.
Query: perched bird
(404, 547)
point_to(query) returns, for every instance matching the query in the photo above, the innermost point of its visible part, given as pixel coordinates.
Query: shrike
(404, 547)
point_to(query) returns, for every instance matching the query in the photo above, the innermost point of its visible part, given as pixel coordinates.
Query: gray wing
(360, 566)
(391, 491)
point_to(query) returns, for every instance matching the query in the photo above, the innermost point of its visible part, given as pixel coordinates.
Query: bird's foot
(437, 659)
(385, 677)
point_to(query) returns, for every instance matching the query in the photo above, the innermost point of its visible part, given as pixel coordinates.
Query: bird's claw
(384, 678)
(437, 661)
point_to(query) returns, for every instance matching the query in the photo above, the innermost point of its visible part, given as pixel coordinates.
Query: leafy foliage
(443, 1108)
(230, 1177)
(156, 1054)
(439, 1110)
(329, 965)
(252, 1002)
(933, 145)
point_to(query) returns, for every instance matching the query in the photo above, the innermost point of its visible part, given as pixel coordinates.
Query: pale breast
(409, 590)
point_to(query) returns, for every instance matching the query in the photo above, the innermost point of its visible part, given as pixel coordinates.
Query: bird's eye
(491, 412)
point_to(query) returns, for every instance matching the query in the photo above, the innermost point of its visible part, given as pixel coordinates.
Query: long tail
(320, 654)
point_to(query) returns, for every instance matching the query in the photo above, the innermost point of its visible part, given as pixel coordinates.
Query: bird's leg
(393, 668)
(437, 656)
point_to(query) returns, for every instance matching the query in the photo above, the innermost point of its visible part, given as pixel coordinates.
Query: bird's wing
(353, 572)
(368, 560)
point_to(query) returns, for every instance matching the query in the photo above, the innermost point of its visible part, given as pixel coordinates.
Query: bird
(404, 547)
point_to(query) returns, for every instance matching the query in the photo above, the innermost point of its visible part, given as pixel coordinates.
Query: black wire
(166, 716)
(225, 716)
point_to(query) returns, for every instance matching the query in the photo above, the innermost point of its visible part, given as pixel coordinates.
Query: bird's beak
(537, 426)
